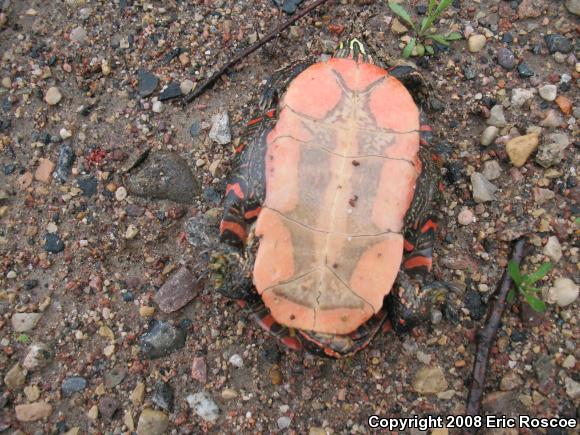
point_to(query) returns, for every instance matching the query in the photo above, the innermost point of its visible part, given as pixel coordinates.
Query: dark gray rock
(164, 175)
(88, 185)
(147, 82)
(164, 396)
(173, 90)
(66, 157)
(506, 58)
(161, 340)
(195, 128)
(559, 43)
(53, 243)
(73, 384)
(474, 304)
(525, 71)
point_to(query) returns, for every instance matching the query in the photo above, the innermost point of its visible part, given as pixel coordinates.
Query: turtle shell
(341, 170)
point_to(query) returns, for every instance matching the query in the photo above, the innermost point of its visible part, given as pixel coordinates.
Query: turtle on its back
(328, 227)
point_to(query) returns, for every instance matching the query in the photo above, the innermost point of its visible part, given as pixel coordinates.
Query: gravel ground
(102, 327)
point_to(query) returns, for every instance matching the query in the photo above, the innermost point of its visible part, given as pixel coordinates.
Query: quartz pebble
(483, 190)
(489, 135)
(24, 322)
(497, 117)
(553, 250)
(52, 96)
(491, 170)
(186, 86)
(220, 129)
(204, 406)
(548, 92)
(521, 96)
(78, 35)
(563, 292)
(236, 360)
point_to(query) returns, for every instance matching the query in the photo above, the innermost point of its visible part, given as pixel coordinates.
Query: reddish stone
(177, 291)
(564, 104)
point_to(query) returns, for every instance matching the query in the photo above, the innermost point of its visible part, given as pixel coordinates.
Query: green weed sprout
(524, 284)
(423, 30)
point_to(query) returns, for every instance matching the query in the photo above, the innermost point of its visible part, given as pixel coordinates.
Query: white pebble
(236, 360)
(120, 193)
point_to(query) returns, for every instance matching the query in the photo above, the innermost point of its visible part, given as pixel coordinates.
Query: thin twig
(201, 89)
(487, 336)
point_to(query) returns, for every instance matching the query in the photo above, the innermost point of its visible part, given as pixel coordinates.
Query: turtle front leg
(408, 74)
(278, 82)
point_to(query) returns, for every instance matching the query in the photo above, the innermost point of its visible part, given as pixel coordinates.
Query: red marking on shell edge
(240, 148)
(253, 213)
(292, 342)
(425, 128)
(266, 322)
(254, 121)
(271, 113)
(328, 351)
(235, 228)
(428, 226)
(236, 188)
(242, 303)
(408, 245)
(419, 261)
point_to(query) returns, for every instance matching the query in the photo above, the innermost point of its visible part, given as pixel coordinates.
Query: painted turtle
(328, 227)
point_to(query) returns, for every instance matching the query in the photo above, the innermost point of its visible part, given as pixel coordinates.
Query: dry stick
(201, 89)
(487, 337)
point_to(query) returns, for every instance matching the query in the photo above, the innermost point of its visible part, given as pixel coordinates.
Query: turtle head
(354, 49)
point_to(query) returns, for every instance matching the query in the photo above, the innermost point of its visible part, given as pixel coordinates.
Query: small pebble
(553, 249)
(52, 96)
(548, 92)
(563, 292)
(506, 58)
(78, 35)
(489, 135)
(465, 217)
(283, 422)
(220, 129)
(236, 360)
(204, 406)
(497, 117)
(186, 87)
(121, 193)
(475, 43)
(157, 107)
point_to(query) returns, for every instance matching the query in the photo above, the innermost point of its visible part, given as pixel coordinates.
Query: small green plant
(424, 29)
(524, 284)
(23, 338)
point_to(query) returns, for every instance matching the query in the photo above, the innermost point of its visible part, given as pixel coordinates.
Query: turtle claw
(269, 97)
